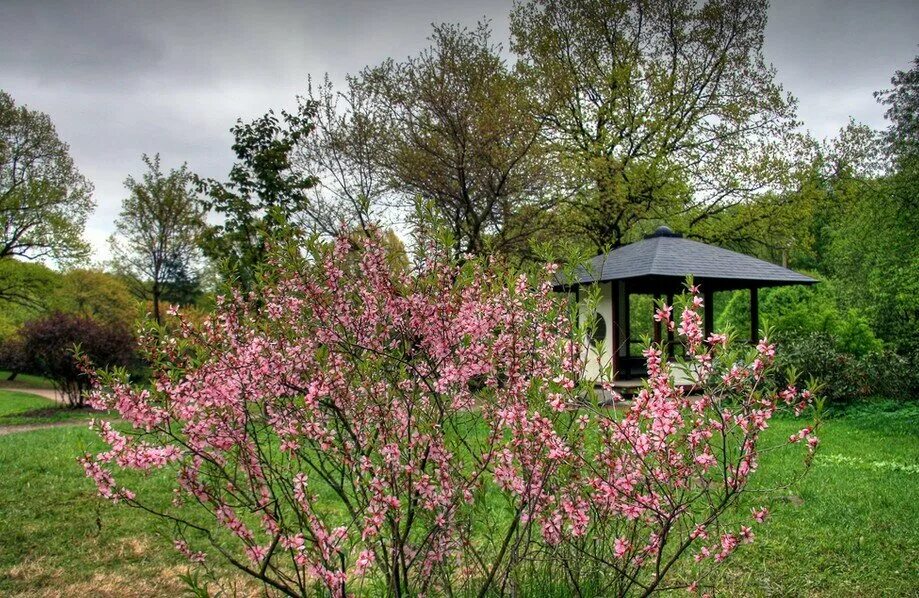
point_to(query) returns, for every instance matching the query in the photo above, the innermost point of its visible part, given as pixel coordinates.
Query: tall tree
(460, 133)
(656, 109)
(264, 193)
(874, 245)
(94, 294)
(157, 231)
(902, 102)
(344, 153)
(44, 200)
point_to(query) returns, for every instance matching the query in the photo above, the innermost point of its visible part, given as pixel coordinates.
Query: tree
(871, 221)
(84, 293)
(94, 294)
(460, 133)
(902, 101)
(655, 110)
(344, 154)
(25, 284)
(54, 345)
(157, 231)
(265, 191)
(873, 252)
(44, 200)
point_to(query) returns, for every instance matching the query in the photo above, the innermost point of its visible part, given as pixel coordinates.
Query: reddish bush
(48, 347)
(11, 357)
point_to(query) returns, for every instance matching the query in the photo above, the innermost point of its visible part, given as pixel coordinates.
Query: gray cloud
(122, 78)
(832, 54)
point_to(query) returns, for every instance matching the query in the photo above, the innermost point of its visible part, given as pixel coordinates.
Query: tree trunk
(156, 303)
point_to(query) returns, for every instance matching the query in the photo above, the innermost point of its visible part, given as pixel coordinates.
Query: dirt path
(47, 393)
(4, 430)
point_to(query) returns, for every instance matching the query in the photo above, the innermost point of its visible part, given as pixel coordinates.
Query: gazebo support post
(754, 314)
(708, 318)
(656, 323)
(614, 331)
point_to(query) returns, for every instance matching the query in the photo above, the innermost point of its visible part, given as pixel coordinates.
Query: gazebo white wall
(597, 359)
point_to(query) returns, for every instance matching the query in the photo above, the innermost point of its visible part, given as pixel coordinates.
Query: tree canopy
(263, 193)
(462, 134)
(656, 110)
(44, 200)
(158, 230)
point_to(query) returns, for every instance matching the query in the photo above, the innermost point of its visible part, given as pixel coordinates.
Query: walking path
(5, 430)
(48, 393)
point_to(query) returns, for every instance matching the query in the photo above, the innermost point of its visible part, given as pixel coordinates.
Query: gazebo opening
(633, 277)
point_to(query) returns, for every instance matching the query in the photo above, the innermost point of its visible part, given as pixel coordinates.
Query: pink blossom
(620, 547)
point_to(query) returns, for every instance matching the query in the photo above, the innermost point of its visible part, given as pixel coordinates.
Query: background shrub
(46, 346)
(801, 310)
(847, 376)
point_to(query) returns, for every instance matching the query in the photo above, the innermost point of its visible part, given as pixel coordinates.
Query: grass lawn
(848, 530)
(24, 381)
(18, 408)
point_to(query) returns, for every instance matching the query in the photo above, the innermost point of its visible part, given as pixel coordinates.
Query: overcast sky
(123, 78)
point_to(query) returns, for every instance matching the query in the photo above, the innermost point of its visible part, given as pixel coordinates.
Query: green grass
(59, 538)
(19, 408)
(849, 529)
(25, 381)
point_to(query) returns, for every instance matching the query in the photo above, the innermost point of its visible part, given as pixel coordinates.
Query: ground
(19, 409)
(27, 381)
(847, 530)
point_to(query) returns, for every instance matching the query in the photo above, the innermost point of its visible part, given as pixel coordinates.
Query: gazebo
(658, 266)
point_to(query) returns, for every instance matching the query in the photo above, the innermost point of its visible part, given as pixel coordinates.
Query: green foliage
(44, 200)
(641, 312)
(655, 110)
(799, 310)
(264, 192)
(155, 247)
(874, 248)
(94, 294)
(89, 293)
(23, 284)
(902, 101)
(846, 377)
(462, 134)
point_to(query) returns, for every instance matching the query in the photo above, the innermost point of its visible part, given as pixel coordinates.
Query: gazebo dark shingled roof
(667, 254)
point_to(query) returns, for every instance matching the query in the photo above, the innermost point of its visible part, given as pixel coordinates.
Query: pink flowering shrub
(355, 429)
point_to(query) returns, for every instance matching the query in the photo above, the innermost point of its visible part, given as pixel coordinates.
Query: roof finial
(663, 231)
